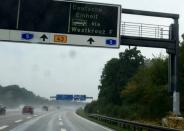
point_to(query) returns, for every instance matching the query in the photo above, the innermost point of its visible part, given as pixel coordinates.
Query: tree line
(133, 87)
(14, 96)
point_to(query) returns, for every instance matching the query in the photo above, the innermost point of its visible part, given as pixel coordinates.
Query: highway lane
(10, 117)
(40, 123)
(74, 122)
(15, 117)
(64, 119)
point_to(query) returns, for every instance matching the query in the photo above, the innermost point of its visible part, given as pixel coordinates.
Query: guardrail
(131, 126)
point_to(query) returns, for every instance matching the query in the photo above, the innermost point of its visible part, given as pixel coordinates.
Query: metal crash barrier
(132, 126)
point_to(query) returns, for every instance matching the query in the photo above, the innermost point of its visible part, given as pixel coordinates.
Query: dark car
(2, 110)
(28, 110)
(45, 108)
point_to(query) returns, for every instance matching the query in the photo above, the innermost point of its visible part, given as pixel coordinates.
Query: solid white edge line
(106, 128)
(18, 121)
(3, 127)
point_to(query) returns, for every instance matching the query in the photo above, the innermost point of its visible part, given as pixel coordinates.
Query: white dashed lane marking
(60, 119)
(18, 121)
(61, 123)
(29, 117)
(3, 127)
(62, 129)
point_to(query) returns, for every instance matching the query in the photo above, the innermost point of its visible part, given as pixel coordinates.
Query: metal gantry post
(172, 47)
(175, 62)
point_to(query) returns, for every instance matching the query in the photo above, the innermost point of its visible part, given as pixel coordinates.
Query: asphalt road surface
(63, 119)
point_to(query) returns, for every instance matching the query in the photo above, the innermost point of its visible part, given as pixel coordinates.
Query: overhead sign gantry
(61, 22)
(71, 97)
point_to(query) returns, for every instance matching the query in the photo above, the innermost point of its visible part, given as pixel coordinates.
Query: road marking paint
(29, 117)
(35, 115)
(3, 127)
(18, 121)
(106, 128)
(61, 123)
(62, 129)
(60, 119)
(30, 122)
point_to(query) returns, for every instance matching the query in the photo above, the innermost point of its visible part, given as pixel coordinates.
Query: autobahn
(62, 119)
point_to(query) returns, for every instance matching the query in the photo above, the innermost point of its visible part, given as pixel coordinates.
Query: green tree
(116, 74)
(13, 95)
(134, 88)
(146, 93)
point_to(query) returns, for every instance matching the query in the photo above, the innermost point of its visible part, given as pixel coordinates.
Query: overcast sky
(49, 70)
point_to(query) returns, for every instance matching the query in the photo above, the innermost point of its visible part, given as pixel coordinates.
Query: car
(45, 108)
(2, 110)
(28, 110)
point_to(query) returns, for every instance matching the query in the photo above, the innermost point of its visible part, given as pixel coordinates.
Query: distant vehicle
(45, 108)
(2, 110)
(28, 110)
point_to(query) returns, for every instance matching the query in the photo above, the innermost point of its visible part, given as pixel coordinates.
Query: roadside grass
(81, 113)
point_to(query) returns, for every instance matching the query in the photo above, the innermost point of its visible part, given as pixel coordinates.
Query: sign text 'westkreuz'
(60, 22)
